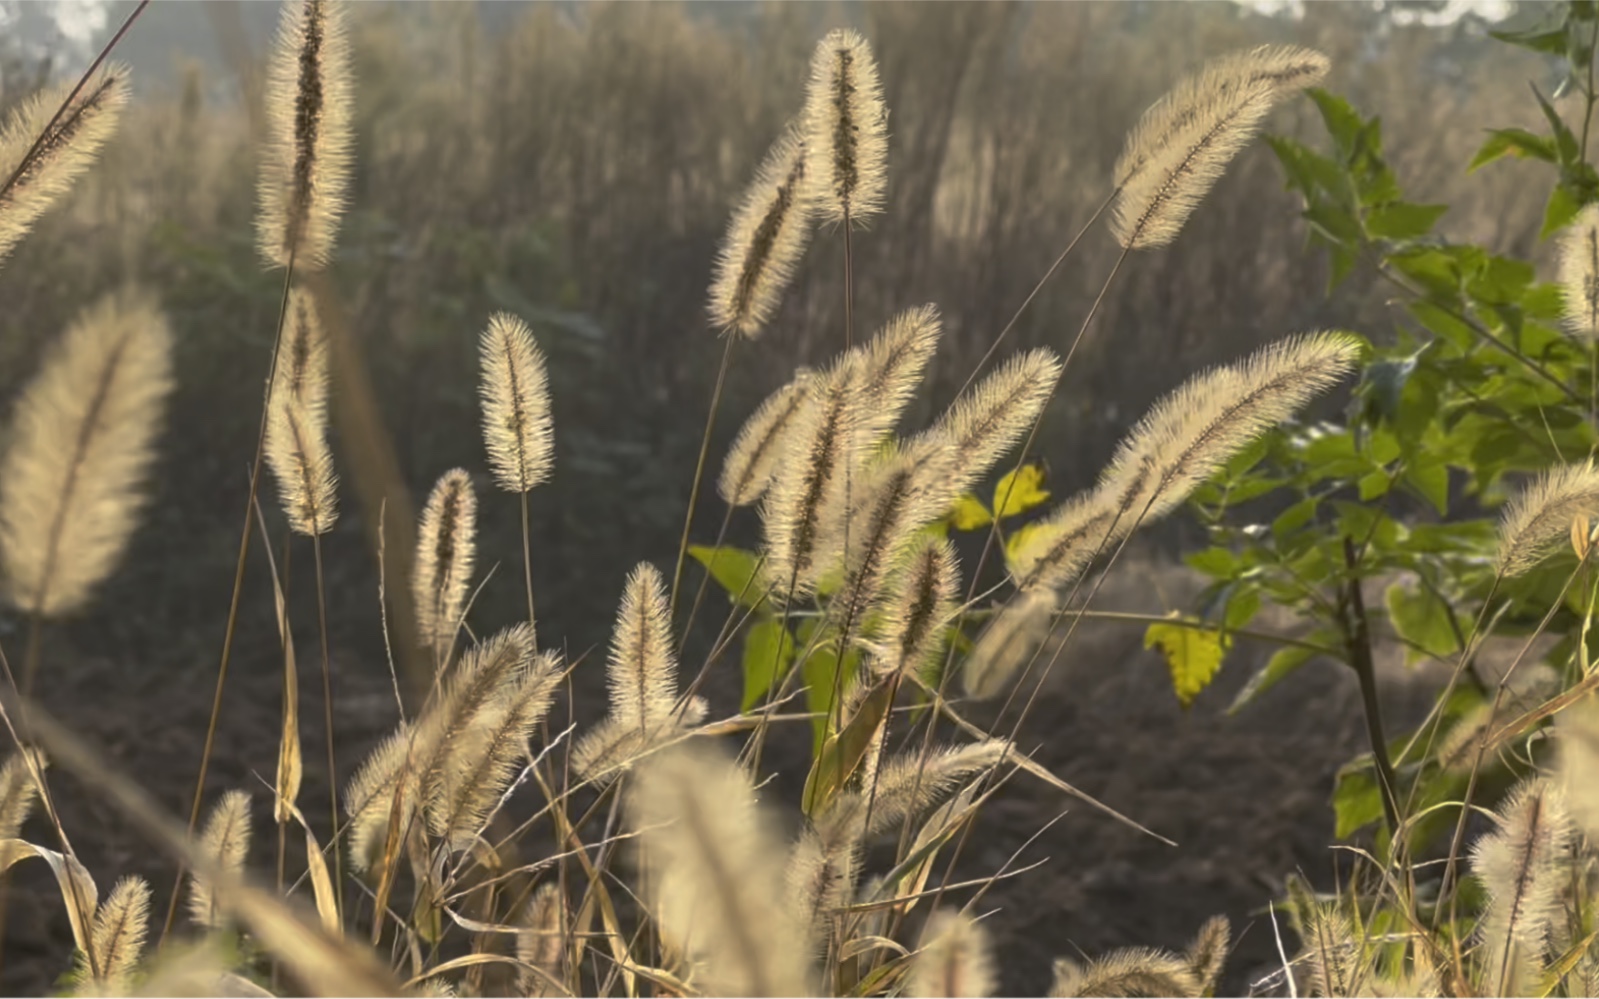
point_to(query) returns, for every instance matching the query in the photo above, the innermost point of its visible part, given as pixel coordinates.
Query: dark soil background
(576, 164)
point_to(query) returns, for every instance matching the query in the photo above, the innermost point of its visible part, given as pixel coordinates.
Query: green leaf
(768, 656)
(1374, 484)
(1565, 142)
(842, 755)
(1295, 517)
(1539, 27)
(1402, 220)
(1020, 491)
(1431, 480)
(1357, 802)
(969, 514)
(1421, 618)
(1513, 142)
(1283, 662)
(1215, 561)
(734, 569)
(1344, 123)
(1563, 206)
(1241, 609)
(1193, 654)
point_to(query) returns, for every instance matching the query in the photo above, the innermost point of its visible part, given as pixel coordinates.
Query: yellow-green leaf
(768, 654)
(842, 755)
(734, 569)
(1193, 654)
(969, 514)
(1020, 491)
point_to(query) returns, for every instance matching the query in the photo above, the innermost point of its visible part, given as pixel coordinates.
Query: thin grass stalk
(1457, 841)
(327, 716)
(993, 531)
(527, 572)
(694, 494)
(231, 625)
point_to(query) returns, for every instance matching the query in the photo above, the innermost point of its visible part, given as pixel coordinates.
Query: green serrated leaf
(1357, 802)
(1402, 220)
(1562, 207)
(1193, 655)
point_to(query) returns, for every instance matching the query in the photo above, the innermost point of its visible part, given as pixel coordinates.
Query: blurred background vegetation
(576, 164)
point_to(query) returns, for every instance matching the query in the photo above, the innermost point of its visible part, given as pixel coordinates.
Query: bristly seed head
(764, 242)
(846, 128)
(517, 428)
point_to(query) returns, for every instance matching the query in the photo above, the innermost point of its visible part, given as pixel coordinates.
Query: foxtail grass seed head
(517, 429)
(225, 841)
(18, 790)
(446, 545)
(1183, 143)
(846, 129)
(898, 497)
(953, 959)
(64, 153)
(1190, 434)
(83, 435)
(1579, 273)
(541, 947)
(1208, 952)
(1053, 551)
(305, 166)
(117, 938)
(297, 451)
(481, 761)
(985, 423)
(301, 373)
(369, 796)
(1536, 521)
(1222, 83)
(764, 241)
(642, 676)
(1131, 971)
(752, 461)
(808, 496)
(1007, 645)
(1521, 867)
(916, 609)
(888, 368)
(906, 786)
(707, 854)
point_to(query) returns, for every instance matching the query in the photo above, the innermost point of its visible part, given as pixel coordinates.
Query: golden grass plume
(717, 898)
(1008, 643)
(517, 429)
(1538, 520)
(225, 841)
(1131, 971)
(1183, 143)
(953, 959)
(918, 603)
(888, 367)
(297, 451)
(752, 460)
(446, 545)
(541, 947)
(83, 437)
(846, 129)
(1055, 549)
(18, 790)
(991, 419)
(305, 166)
(63, 154)
(765, 240)
(1579, 273)
(642, 677)
(808, 493)
(117, 937)
(1521, 866)
(1190, 434)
